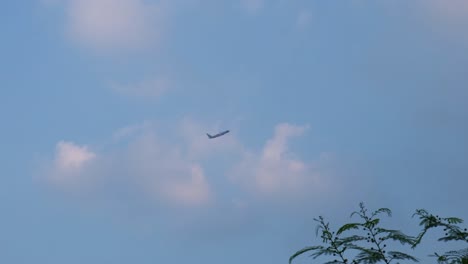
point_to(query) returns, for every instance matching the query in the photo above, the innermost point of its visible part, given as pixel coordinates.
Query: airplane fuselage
(218, 135)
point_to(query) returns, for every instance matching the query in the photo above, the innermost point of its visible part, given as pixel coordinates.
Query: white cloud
(70, 161)
(70, 156)
(192, 191)
(160, 170)
(165, 172)
(276, 171)
(107, 25)
(170, 170)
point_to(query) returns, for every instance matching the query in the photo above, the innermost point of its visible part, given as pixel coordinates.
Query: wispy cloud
(108, 25)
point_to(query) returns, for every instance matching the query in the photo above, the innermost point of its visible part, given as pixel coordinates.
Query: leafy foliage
(371, 247)
(453, 257)
(452, 233)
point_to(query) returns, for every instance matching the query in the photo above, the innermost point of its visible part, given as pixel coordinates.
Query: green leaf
(334, 262)
(402, 256)
(400, 237)
(369, 256)
(453, 220)
(383, 210)
(372, 223)
(348, 227)
(454, 255)
(350, 239)
(320, 252)
(380, 230)
(304, 250)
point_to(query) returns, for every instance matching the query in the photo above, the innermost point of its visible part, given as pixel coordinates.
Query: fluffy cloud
(165, 172)
(71, 157)
(194, 191)
(159, 171)
(70, 160)
(107, 25)
(172, 170)
(276, 170)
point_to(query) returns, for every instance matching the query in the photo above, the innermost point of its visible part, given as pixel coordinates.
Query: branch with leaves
(452, 233)
(368, 249)
(349, 243)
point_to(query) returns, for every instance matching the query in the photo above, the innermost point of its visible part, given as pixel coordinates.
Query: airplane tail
(209, 136)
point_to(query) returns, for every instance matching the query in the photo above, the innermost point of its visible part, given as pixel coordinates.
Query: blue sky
(105, 105)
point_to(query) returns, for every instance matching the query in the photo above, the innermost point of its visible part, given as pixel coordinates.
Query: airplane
(217, 135)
